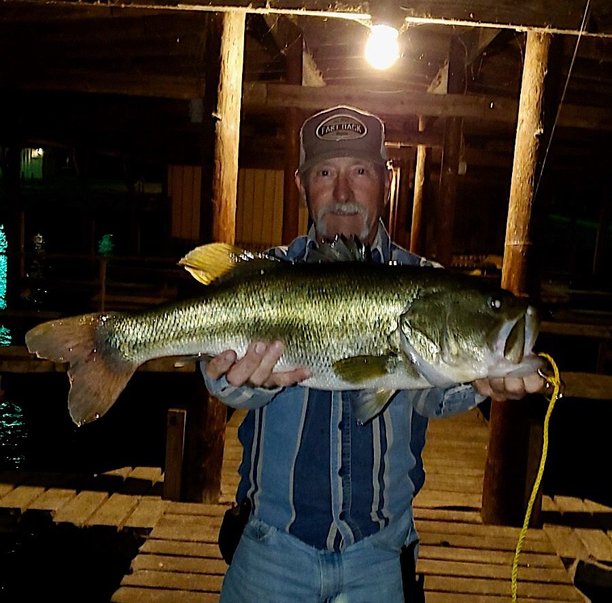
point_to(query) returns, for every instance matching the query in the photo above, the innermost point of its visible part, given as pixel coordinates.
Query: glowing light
(382, 47)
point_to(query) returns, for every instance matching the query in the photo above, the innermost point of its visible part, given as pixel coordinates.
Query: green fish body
(354, 325)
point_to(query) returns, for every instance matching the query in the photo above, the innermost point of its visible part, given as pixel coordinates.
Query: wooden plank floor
(463, 561)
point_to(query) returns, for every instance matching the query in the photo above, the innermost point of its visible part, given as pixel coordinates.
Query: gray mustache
(344, 208)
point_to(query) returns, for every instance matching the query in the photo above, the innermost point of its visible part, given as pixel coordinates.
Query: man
(331, 499)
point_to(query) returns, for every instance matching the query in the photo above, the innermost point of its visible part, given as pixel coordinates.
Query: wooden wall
(259, 207)
(184, 190)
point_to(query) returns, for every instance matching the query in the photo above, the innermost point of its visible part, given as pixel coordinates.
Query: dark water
(40, 436)
(44, 561)
(580, 447)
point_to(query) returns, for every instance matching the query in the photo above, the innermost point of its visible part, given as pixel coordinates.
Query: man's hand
(510, 388)
(255, 368)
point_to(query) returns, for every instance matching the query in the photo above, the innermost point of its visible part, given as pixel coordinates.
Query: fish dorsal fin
(211, 262)
(341, 249)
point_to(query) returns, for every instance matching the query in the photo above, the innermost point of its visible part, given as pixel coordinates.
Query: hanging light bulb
(382, 47)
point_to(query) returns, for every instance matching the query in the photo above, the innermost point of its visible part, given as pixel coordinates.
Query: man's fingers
(285, 378)
(255, 368)
(482, 387)
(513, 387)
(510, 388)
(242, 370)
(267, 361)
(220, 364)
(534, 383)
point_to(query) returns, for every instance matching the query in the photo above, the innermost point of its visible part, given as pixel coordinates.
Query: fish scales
(316, 310)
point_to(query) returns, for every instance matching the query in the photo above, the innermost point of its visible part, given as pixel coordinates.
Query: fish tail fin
(97, 376)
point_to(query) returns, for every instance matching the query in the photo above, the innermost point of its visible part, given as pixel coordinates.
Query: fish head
(458, 334)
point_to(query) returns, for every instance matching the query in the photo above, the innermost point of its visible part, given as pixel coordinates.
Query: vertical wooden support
(293, 121)
(449, 168)
(212, 74)
(420, 181)
(506, 484)
(529, 133)
(207, 437)
(401, 236)
(175, 447)
(227, 131)
(213, 443)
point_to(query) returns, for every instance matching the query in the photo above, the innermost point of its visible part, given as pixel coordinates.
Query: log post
(204, 481)
(175, 448)
(449, 168)
(418, 203)
(506, 486)
(227, 131)
(293, 121)
(400, 234)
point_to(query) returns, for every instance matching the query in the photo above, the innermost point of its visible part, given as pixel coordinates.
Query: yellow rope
(555, 381)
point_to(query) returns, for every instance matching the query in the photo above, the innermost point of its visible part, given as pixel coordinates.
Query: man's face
(345, 196)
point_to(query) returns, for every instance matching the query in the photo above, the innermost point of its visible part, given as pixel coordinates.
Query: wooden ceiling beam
(562, 16)
(271, 97)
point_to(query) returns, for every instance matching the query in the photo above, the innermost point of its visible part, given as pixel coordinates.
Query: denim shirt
(311, 469)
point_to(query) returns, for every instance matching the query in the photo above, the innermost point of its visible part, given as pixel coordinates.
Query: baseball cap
(342, 131)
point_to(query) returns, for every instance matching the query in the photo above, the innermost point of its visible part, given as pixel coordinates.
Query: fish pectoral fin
(359, 369)
(208, 263)
(370, 402)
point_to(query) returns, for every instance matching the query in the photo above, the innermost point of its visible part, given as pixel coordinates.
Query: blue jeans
(271, 566)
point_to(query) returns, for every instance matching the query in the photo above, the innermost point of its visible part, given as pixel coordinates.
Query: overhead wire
(585, 16)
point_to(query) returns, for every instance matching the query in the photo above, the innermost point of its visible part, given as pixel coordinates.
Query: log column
(507, 486)
(205, 442)
(293, 121)
(449, 168)
(420, 187)
(227, 131)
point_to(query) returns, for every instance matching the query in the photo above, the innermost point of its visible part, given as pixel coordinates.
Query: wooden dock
(463, 561)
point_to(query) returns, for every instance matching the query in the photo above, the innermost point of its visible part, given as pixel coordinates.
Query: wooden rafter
(558, 16)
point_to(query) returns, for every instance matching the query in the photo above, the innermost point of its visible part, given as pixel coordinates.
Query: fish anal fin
(359, 369)
(369, 403)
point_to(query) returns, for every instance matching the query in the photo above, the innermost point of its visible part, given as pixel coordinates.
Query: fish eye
(495, 303)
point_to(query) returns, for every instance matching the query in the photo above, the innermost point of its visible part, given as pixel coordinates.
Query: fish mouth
(522, 336)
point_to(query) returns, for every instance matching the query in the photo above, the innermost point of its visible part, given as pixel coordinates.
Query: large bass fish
(353, 324)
